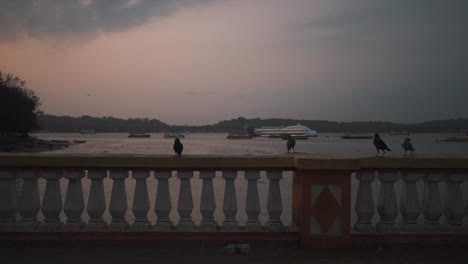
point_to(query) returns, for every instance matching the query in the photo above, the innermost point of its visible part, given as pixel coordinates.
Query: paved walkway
(152, 254)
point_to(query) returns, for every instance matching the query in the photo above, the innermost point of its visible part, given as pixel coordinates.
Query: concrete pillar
(74, 202)
(185, 205)
(118, 202)
(208, 203)
(141, 204)
(364, 206)
(454, 203)
(96, 201)
(252, 204)
(230, 202)
(387, 205)
(163, 204)
(431, 202)
(52, 201)
(274, 202)
(8, 200)
(28, 203)
(409, 200)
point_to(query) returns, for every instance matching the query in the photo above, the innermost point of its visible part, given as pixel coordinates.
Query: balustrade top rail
(194, 162)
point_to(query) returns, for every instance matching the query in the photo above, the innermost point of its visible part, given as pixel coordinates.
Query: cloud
(198, 93)
(84, 18)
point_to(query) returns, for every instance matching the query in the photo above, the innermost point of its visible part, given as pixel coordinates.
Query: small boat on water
(399, 133)
(60, 141)
(357, 137)
(174, 135)
(87, 132)
(295, 136)
(139, 135)
(239, 136)
(454, 139)
(290, 130)
(79, 141)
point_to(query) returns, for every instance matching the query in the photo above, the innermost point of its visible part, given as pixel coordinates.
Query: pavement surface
(157, 254)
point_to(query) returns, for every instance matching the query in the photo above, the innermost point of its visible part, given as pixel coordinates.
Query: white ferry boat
(290, 130)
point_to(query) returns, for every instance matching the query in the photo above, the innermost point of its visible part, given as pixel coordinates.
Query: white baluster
(364, 202)
(96, 201)
(230, 202)
(208, 203)
(274, 203)
(141, 205)
(8, 199)
(28, 203)
(52, 201)
(387, 205)
(185, 205)
(118, 202)
(431, 203)
(74, 202)
(252, 204)
(409, 201)
(163, 203)
(454, 203)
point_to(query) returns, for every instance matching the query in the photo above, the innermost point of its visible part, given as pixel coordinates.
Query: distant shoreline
(68, 124)
(20, 144)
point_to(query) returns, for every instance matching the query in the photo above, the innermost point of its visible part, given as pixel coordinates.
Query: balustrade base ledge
(408, 239)
(144, 238)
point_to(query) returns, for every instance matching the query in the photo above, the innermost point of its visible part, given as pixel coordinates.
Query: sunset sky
(202, 61)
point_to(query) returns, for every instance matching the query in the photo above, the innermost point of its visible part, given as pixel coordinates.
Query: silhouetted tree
(19, 106)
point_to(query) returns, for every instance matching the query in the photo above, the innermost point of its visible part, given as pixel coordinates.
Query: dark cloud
(404, 60)
(201, 93)
(70, 18)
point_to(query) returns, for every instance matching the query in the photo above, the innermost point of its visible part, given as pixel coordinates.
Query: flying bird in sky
(178, 147)
(406, 145)
(380, 145)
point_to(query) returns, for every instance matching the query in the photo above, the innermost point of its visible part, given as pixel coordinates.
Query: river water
(326, 145)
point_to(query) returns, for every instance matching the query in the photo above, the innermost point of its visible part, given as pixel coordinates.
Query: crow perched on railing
(290, 144)
(178, 147)
(406, 145)
(380, 145)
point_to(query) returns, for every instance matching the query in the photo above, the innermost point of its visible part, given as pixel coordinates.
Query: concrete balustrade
(96, 200)
(74, 202)
(387, 205)
(412, 196)
(163, 203)
(409, 201)
(364, 205)
(8, 201)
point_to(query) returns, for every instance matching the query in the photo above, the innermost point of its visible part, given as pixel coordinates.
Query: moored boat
(295, 136)
(174, 135)
(399, 133)
(87, 131)
(290, 130)
(239, 136)
(357, 137)
(79, 141)
(139, 135)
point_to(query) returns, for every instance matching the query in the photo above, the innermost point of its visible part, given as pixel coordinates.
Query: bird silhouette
(406, 145)
(291, 143)
(178, 147)
(380, 145)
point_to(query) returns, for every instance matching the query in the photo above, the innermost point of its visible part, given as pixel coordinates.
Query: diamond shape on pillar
(325, 209)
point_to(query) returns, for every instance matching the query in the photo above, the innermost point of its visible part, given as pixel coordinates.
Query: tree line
(52, 123)
(20, 114)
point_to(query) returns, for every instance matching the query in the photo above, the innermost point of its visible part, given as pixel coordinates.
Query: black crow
(291, 143)
(407, 146)
(380, 145)
(178, 147)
